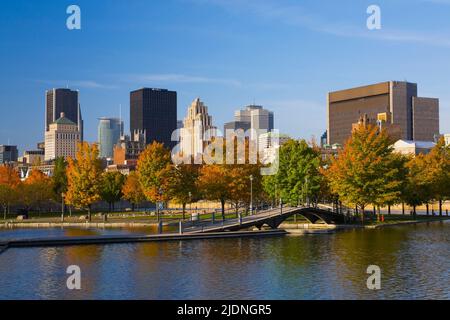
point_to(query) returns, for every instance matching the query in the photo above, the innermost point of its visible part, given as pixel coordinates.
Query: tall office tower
(63, 100)
(197, 129)
(418, 118)
(252, 117)
(109, 132)
(155, 111)
(61, 139)
(8, 154)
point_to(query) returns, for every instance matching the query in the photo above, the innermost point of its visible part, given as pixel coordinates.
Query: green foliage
(111, 187)
(298, 177)
(59, 178)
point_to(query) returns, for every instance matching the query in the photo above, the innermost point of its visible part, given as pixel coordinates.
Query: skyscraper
(63, 100)
(197, 129)
(252, 117)
(109, 132)
(8, 154)
(155, 111)
(61, 139)
(418, 118)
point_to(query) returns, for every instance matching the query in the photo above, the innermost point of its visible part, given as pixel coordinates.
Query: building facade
(61, 139)
(417, 118)
(127, 150)
(197, 129)
(63, 100)
(155, 112)
(8, 154)
(109, 132)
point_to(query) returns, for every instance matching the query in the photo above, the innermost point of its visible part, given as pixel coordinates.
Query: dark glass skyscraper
(155, 111)
(58, 101)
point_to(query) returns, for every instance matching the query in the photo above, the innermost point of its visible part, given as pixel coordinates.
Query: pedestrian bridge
(271, 218)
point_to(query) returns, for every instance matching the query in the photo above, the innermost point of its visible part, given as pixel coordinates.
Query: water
(415, 263)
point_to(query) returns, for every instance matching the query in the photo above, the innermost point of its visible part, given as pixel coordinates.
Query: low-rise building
(408, 147)
(447, 139)
(127, 151)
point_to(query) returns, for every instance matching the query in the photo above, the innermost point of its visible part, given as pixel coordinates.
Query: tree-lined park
(366, 175)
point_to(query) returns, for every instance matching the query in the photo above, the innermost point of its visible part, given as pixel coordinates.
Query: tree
(59, 178)
(9, 181)
(111, 187)
(37, 189)
(366, 172)
(438, 172)
(84, 177)
(132, 190)
(214, 182)
(153, 168)
(298, 177)
(417, 189)
(241, 186)
(182, 184)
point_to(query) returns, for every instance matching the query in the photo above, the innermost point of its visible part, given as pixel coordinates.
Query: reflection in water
(415, 263)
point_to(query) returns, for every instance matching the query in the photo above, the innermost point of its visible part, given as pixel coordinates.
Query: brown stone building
(417, 118)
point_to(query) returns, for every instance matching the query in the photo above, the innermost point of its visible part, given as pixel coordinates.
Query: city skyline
(232, 72)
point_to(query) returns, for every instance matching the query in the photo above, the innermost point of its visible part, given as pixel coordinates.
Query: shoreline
(290, 227)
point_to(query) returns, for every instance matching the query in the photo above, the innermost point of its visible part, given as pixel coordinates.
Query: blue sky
(283, 54)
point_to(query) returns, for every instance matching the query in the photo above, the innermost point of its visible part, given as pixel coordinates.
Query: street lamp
(62, 206)
(160, 192)
(190, 201)
(251, 194)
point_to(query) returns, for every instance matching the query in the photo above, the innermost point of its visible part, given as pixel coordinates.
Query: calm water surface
(415, 263)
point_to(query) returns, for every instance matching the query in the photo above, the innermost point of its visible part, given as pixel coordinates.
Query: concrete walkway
(95, 240)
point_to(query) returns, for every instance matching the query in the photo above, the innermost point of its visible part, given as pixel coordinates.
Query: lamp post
(160, 192)
(190, 202)
(251, 194)
(62, 206)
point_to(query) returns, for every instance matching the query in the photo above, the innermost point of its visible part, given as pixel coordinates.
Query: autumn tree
(241, 186)
(365, 171)
(111, 187)
(9, 181)
(154, 166)
(417, 189)
(181, 184)
(214, 184)
(84, 177)
(132, 190)
(36, 190)
(437, 172)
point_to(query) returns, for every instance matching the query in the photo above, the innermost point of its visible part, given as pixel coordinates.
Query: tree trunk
(414, 212)
(222, 202)
(5, 209)
(132, 207)
(389, 209)
(89, 213)
(440, 208)
(403, 208)
(184, 211)
(428, 209)
(362, 214)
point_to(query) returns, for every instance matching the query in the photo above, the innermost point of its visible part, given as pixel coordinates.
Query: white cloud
(296, 15)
